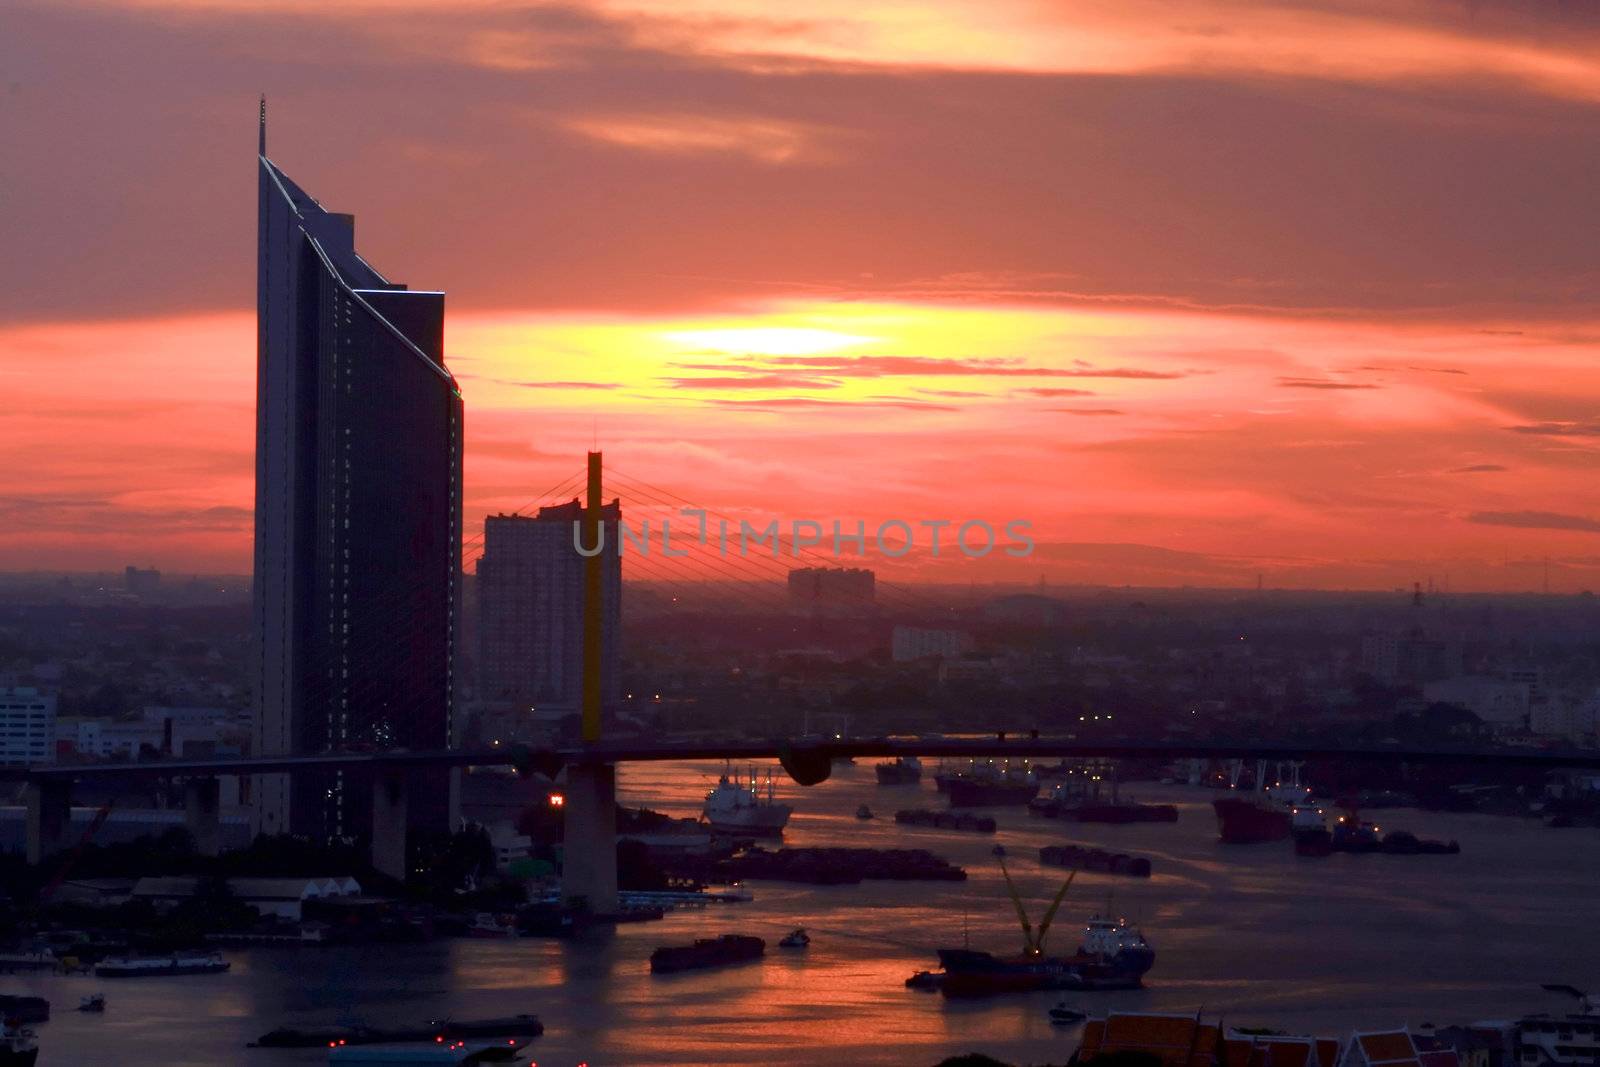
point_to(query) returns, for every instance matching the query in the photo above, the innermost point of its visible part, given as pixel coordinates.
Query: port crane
(1033, 941)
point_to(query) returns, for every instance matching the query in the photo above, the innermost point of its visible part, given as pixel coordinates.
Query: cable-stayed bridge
(757, 580)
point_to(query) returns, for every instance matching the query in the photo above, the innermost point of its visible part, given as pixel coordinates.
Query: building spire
(263, 137)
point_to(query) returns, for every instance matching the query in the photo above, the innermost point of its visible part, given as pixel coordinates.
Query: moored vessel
(1251, 819)
(707, 952)
(904, 770)
(432, 1032)
(161, 966)
(745, 810)
(991, 785)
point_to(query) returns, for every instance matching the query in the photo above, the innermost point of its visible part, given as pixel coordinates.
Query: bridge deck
(949, 747)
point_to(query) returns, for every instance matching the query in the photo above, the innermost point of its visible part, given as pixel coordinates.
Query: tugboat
(707, 952)
(742, 811)
(796, 938)
(1113, 955)
(93, 1002)
(1309, 825)
(18, 1048)
(926, 980)
(1062, 1015)
(1352, 834)
(905, 770)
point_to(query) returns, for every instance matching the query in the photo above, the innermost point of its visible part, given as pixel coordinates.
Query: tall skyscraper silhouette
(358, 514)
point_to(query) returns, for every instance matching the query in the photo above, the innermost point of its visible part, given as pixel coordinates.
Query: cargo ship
(1251, 819)
(745, 810)
(906, 770)
(707, 952)
(1268, 813)
(1113, 955)
(1079, 798)
(161, 966)
(986, 785)
(1309, 825)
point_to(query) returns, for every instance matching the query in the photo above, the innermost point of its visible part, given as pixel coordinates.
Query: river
(1250, 932)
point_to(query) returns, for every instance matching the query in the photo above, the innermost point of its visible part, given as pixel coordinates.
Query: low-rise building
(278, 898)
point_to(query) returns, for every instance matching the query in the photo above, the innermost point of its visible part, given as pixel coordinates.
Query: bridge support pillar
(589, 861)
(389, 824)
(202, 810)
(49, 818)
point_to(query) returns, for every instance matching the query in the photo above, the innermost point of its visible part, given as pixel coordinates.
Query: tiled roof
(1392, 1048)
(1179, 1040)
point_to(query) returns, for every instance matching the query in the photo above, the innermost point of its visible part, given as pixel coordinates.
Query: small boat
(18, 1048)
(930, 980)
(863, 812)
(797, 938)
(93, 1002)
(1062, 1015)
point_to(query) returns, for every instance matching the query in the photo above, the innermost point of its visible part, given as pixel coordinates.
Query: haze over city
(1203, 292)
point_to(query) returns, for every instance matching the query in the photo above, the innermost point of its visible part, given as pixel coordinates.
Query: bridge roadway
(1010, 747)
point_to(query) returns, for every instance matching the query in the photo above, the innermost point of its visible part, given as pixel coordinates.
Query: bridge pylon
(589, 852)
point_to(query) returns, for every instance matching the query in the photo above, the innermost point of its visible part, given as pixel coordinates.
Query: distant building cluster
(827, 590)
(185, 733)
(908, 644)
(142, 582)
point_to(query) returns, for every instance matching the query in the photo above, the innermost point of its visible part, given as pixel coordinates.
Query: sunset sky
(1202, 290)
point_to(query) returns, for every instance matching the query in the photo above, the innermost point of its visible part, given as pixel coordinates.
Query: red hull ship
(1251, 820)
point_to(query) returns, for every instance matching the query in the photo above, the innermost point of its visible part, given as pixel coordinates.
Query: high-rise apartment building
(530, 611)
(358, 514)
(27, 726)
